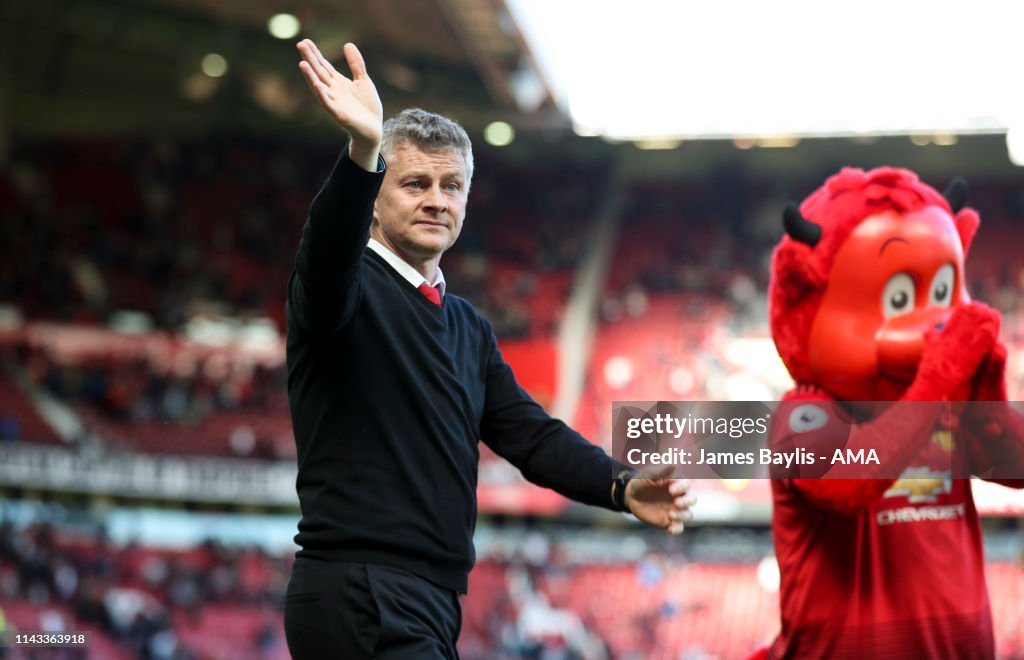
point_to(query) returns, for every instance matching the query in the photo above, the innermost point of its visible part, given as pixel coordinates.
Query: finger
(310, 49)
(680, 516)
(325, 64)
(316, 60)
(684, 502)
(356, 63)
(679, 487)
(322, 91)
(307, 49)
(308, 75)
(675, 529)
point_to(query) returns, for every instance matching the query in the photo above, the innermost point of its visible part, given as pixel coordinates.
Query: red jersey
(900, 577)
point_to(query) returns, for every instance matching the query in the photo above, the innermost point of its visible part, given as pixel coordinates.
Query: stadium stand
(180, 231)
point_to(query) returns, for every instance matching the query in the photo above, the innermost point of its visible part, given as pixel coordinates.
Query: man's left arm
(552, 455)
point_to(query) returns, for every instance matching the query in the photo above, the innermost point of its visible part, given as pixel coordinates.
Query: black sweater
(390, 395)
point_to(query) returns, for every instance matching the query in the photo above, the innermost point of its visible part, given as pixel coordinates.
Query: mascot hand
(990, 383)
(994, 432)
(953, 355)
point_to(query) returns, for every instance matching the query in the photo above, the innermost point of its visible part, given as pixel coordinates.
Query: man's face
(422, 202)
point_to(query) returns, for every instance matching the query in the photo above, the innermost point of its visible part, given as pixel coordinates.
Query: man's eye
(413, 184)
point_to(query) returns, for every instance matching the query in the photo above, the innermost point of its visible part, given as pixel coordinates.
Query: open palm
(354, 103)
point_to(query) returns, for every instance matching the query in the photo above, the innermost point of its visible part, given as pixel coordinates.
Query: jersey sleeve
(812, 420)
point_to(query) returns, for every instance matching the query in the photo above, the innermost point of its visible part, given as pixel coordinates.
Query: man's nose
(436, 199)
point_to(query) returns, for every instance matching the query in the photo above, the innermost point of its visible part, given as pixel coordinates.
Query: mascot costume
(868, 303)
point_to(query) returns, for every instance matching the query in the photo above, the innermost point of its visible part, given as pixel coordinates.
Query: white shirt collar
(405, 270)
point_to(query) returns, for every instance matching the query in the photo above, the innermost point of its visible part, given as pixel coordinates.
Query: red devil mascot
(868, 303)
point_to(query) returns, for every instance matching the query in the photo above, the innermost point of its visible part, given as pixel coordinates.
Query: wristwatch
(619, 489)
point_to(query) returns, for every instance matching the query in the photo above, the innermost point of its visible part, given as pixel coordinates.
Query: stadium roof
(138, 65)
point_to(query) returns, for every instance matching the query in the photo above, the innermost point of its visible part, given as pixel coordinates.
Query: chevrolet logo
(924, 488)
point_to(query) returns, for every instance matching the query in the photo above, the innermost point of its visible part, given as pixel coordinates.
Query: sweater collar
(407, 272)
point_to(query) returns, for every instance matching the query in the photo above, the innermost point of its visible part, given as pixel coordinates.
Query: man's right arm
(324, 287)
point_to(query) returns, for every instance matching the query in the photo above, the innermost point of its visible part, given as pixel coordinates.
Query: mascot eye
(941, 292)
(898, 297)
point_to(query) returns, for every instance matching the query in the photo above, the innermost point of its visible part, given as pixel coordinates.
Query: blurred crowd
(137, 595)
(180, 230)
(550, 592)
(176, 229)
(138, 390)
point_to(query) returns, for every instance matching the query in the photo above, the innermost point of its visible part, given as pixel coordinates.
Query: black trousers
(348, 610)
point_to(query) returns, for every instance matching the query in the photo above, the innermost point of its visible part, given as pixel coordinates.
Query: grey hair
(429, 131)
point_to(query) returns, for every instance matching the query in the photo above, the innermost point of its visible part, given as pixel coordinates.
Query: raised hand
(661, 501)
(990, 383)
(354, 103)
(953, 355)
